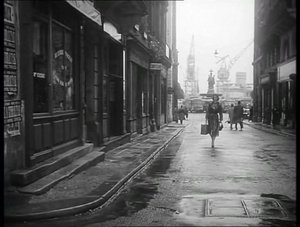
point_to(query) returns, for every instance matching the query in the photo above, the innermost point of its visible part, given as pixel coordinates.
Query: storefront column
(152, 101)
(124, 68)
(129, 102)
(26, 85)
(157, 100)
(82, 84)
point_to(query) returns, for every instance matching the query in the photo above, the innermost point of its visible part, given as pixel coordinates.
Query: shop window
(163, 95)
(286, 50)
(40, 66)
(62, 71)
(115, 59)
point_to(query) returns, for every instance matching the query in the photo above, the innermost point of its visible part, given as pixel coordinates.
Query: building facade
(275, 62)
(82, 74)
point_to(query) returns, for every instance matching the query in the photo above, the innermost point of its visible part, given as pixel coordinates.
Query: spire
(192, 48)
(191, 62)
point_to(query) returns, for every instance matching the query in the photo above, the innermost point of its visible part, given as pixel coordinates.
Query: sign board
(155, 66)
(86, 8)
(286, 69)
(265, 80)
(112, 31)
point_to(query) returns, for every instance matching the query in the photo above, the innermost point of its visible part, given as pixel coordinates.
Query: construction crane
(223, 72)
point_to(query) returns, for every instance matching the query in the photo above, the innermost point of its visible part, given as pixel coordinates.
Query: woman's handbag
(204, 128)
(220, 126)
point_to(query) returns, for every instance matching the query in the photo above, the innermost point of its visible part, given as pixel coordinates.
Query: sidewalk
(93, 187)
(271, 129)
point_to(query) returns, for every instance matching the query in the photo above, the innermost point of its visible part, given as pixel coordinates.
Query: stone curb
(97, 202)
(274, 131)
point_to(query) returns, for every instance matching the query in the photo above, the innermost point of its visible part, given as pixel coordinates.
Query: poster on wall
(12, 117)
(10, 58)
(12, 105)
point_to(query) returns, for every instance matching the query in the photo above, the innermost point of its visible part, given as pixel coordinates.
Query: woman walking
(181, 114)
(214, 116)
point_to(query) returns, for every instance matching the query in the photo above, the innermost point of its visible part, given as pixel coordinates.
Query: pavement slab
(92, 187)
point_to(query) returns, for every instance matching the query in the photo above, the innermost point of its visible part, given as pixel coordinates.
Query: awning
(87, 9)
(286, 69)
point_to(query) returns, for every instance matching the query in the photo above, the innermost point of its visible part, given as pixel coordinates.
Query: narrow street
(251, 166)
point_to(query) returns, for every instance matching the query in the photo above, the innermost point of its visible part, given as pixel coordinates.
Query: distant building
(240, 90)
(240, 79)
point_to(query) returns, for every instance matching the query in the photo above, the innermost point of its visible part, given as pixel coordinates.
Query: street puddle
(141, 190)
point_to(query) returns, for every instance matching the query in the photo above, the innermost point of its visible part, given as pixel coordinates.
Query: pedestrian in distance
(214, 117)
(181, 114)
(175, 115)
(186, 113)
(231, 115)
(238, 115)
(251, 114)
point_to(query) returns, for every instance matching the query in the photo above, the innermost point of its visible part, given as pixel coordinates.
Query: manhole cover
(263, 207)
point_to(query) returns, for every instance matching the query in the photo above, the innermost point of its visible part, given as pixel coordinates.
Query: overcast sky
(225, 25)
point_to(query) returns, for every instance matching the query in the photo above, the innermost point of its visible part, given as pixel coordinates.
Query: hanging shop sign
(86, 8)
(12, 118)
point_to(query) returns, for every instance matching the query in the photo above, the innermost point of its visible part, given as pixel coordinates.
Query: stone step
(26, 176)
(46, 183)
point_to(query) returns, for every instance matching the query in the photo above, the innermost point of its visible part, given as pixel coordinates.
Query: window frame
(50, 22)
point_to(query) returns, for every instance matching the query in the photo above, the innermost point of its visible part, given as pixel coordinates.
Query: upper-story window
(286, 50)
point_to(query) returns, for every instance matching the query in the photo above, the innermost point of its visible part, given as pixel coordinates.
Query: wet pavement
(248, 179)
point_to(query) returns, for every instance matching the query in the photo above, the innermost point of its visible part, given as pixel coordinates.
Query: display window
(61, 76)
(62, 71)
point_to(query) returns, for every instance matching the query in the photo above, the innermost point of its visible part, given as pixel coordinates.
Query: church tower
(191, 84)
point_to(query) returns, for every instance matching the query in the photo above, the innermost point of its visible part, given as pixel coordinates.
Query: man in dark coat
(238, 115)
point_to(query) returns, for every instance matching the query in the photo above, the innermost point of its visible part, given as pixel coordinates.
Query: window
(40, 66)
(61, 77)
(62, 71)
(114, 59)
(286, 51)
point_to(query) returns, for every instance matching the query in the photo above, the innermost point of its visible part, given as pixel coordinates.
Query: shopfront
(52, 74)
(287, 87)
(138, 79)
